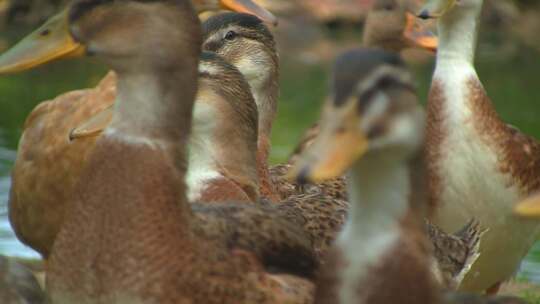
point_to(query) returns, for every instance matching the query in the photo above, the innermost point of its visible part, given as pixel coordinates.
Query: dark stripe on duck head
(353, 67)
(249, 26)
(81, 7)
(220, 21)
(385, 82)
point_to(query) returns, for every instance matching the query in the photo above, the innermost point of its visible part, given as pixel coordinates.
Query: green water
(511, 80)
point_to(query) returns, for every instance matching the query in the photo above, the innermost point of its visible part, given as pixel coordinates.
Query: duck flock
(154, 186)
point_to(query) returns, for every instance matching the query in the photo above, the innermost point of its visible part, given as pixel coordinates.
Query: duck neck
(266, 100)
(217, 159)
(379, 191)
(155, 106)
(266, 95)
(458, 31)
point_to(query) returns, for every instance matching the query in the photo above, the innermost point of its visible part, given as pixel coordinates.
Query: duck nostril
(424, 14)
(302, 178)
(45, 32)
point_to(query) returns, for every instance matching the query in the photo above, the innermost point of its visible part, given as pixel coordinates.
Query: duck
(233, 176)
(319, 213)
(467, 141)
(17, 284)
(388, 26)
(129, 235)
(372, 127)
(245, 42)
(257, 228)
(48, 164)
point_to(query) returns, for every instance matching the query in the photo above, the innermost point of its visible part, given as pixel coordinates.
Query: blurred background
(310, 34)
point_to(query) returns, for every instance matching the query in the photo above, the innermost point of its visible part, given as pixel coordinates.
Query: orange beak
(418, 35)
(49, 42)
(529, 208)
(249, 7)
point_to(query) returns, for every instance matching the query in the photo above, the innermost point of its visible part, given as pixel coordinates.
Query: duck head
(389, 25)
(438, 8)
(52, 40)
(372, 112)
(245, 42)
(105, 30)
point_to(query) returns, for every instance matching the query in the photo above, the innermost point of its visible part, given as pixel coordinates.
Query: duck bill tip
(250, 7)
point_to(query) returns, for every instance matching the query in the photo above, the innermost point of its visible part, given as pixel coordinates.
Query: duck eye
(231, 35)
(389, 7)
(45, 32)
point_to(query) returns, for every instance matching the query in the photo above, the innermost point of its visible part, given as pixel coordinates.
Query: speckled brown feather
(155, 230)
(455, 253)
(435, 134)
(334, 188)
(321, 216)
(519, 153)
(224, 189)
(279, 243)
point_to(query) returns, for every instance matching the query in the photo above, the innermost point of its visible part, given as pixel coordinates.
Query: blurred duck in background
(373, 126)
(388, 26)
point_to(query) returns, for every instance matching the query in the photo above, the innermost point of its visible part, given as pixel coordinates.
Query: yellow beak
(249, 7)
(335, 149)
(435, 8)
(49, 42)
(529, 207)
(418, 35)
(53, 41)
(94, 125)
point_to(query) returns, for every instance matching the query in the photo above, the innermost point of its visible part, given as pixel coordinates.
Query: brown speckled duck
(390, 27)
(244, 41)
(130, 235)
(259, 229)
(478, 166)
(373, 125)
(48, 164)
